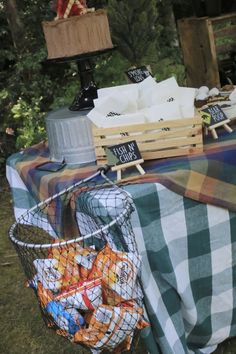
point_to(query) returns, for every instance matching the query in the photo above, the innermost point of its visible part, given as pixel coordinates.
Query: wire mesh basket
(79, 254)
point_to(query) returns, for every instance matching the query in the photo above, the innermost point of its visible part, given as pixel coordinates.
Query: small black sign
(51, 166)
(213, 115)
(123, 153)
(138, 74)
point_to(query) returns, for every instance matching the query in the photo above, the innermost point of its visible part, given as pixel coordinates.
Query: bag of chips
(67, 319)
(109, 327)
(65, 255)
(75, 262)
(118, 271)
(48, 274)
(86, 295)
(142, 323)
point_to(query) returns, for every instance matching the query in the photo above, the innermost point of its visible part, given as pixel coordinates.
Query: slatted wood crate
(205, 43)
(155, 140)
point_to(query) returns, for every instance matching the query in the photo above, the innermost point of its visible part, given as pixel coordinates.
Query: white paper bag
(129, 93)
(110, 120)
(153, 93)
(186, 100)
(164, 111)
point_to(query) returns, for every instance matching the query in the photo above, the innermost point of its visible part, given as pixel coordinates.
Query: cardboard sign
(138, 74)
(124, 153)
(213, 115)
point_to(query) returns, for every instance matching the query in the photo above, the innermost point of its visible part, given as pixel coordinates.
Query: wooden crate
(155, 140)
(205, 42)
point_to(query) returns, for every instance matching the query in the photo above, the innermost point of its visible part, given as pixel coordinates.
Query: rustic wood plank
(150, 155)
(199, 54)
(147, 126)
(225, 32)
(153, 155)
(225, 48)
(223, 18)
(148, 136)
(161, 144)
(184, 137)
(200, 51)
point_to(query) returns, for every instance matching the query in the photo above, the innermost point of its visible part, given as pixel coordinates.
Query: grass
(22, 330)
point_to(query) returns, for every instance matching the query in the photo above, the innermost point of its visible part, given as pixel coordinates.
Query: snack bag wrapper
(67, 319)
(109, 326)
(48, 274)
(85, 296)
(142, 323)
(118, 271)
(74, 262)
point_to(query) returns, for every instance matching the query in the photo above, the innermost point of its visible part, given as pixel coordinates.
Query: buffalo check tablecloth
(187, 244)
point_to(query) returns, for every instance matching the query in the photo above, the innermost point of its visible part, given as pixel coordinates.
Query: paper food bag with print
(164, 111)
(152, 93)
(111, 111)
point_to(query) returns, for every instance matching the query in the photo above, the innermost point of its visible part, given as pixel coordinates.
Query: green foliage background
(30, 86)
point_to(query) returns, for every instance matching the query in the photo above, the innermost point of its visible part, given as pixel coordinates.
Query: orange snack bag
(142, 323)
(119, 273)
(109, 327)
(48, 274)
(86, 295)
(65, 255)
(74, 262)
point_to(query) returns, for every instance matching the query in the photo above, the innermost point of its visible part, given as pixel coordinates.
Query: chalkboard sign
(213, 115)
(138, 74)
(124, 153)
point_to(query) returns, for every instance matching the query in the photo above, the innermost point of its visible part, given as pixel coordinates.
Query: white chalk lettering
(130, 156)
(131, 146)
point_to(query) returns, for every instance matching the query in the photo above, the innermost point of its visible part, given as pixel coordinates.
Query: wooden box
(77, 35)
(155, 140)
(206, 43)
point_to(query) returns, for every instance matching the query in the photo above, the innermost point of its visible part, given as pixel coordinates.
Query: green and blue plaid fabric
(185, 228)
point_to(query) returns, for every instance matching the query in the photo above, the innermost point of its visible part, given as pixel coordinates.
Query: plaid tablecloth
(187, 247)
(188, 270)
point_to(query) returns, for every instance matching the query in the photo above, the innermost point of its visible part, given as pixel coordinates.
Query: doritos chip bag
(118, 271)
(108, 327)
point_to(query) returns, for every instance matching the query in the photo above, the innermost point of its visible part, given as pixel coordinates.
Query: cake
(77, 35)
